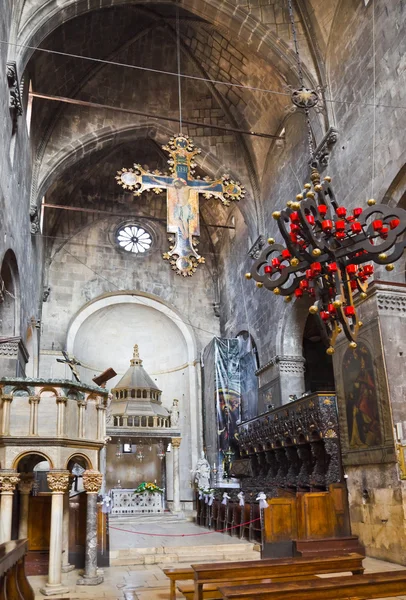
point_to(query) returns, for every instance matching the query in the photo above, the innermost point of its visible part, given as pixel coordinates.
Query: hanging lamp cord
(178, 64)
(301, 79)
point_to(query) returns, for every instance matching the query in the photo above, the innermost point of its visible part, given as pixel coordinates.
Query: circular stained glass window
(133, 238)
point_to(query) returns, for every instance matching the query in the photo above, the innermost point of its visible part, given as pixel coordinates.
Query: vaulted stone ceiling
(78, 149)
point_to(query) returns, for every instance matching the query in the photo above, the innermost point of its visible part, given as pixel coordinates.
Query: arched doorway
(319, 374)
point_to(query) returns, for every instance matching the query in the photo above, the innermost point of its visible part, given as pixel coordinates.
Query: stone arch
(45, 18)
(49, 388)
(115, 136)
(31, 342)
(32, 451)
(185, 330)
(10, 294)
(81, 455)
(395, 196)
(291, 327)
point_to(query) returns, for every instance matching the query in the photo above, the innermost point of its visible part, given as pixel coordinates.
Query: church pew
(221, 573)
(255, 531)
(359, 587)
(212, 592)
(230, 512)
(175, 575)
(265, 568)
(221, 517)
(245, 518)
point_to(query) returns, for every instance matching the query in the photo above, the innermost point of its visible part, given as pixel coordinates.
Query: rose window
(133, 238)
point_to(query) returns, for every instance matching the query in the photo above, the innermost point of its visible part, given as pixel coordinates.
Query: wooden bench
(211, 590)
(13, 581)
(177, 575)
(358, 587)
(257, 570)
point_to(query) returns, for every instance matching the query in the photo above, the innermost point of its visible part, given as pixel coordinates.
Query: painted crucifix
(182, 199)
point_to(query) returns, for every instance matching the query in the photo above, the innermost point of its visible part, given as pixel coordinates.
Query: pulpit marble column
(25, 487)
(66, 566)
(176, 474)
(58, 482)
(92, 481)
(8, 481)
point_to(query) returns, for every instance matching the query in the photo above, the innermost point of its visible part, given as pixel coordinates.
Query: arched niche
(9, 296)
(319, 373)
(102, 334)
(249, 363)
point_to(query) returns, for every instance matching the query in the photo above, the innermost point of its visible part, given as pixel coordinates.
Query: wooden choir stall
(292, 454)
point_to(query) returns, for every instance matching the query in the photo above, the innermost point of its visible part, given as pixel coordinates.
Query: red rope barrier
(185, 534)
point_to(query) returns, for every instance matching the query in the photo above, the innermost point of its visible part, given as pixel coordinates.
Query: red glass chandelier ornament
(326, 246)
(328, 267)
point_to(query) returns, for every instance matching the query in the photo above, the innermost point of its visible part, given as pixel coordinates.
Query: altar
(129, 502)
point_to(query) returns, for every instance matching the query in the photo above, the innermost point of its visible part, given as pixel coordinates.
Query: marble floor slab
(148, 582)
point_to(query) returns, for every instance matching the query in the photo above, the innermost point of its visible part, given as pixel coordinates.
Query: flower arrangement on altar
(151, 488)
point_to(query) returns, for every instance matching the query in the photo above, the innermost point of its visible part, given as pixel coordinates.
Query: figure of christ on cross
(182, 199)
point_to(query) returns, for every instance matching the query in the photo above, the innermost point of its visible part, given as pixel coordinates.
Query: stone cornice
(62, 383)
(38, 441)
(290, 364)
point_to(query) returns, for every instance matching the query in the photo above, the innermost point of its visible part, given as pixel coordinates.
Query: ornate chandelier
(326, 255)
(328, 248)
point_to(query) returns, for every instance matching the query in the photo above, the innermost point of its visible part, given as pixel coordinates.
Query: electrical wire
(196, 77)
(178, 63)
(374, 96)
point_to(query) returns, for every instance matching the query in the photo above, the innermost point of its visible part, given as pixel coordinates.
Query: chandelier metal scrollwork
(327, 248)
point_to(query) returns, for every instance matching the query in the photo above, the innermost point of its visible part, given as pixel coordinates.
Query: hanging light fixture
(140, 452)
(328, 249)
(160, 451)
(118, 449)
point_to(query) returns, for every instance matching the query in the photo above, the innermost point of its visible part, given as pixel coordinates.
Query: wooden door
(280, 521)
(39, 523)
(316, 516)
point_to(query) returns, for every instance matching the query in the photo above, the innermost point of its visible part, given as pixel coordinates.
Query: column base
(90, 580)
(67, 568)
(51, 589)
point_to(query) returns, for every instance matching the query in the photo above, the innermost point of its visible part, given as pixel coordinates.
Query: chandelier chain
(301, 78)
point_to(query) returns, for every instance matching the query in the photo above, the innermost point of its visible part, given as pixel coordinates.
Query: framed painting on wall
(363, 400)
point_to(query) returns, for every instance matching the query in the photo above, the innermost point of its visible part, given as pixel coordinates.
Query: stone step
(178, 554)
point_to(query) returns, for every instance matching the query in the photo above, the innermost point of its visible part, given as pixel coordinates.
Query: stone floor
(147, 582)
(171, 543)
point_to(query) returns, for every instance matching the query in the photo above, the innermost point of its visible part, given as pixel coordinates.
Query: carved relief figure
(361, 396)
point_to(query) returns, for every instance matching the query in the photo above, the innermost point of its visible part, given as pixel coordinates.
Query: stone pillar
(58, 482)
(25, 487)
(81, 418)
(8, 481)
(176, 474)
(92, 481)
(66, 566)
(291, 375)
(5, 421)
(34, 400)
(101, 421)
(60, 417)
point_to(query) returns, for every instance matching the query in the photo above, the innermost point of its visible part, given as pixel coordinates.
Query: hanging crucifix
(72, 364)
(182, 199)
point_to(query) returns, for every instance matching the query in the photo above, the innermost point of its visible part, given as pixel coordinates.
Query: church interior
(202, 299)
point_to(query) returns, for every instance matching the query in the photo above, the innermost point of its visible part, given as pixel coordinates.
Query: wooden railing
(14, 584)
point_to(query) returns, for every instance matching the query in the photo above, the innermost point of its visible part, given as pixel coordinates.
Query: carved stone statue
(175, 413)
(202, 473)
